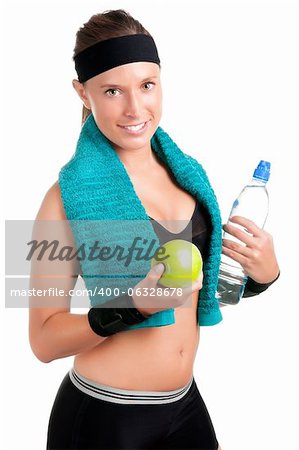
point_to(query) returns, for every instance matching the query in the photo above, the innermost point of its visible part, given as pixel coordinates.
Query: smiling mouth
(134, 128)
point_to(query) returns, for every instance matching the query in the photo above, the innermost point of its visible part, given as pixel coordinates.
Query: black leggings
(84, 420)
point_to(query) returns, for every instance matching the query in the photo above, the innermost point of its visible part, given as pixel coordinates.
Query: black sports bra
(201, 232)
(199, 227)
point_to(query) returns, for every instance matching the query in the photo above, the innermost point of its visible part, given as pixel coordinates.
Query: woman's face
(126, 103)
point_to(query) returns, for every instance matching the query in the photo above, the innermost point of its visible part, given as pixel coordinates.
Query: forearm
(64, 334)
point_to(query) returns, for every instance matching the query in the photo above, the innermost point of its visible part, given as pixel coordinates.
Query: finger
(155, 274)
(238, 248)
(240, 234)
(199, 280)
(248, 224)
(196, 286)
(241, 259)
(200, 276)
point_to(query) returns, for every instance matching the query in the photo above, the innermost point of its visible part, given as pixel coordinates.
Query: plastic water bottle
(252, 203)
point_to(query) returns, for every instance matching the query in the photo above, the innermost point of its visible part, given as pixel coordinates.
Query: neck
(137, 159)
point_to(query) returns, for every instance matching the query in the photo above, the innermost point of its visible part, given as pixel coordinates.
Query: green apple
(182, 261)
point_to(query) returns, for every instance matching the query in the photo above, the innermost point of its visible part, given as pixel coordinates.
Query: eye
(111, 92)
(149, 85)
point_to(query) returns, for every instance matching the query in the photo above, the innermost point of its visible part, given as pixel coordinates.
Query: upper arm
(51, 224)
(51, 207)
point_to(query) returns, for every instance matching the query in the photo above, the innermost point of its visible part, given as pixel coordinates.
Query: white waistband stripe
(126, 396)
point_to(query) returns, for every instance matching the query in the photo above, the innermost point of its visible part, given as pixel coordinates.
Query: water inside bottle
(231, 284)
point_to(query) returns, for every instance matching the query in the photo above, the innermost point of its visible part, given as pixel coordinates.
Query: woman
(131, 386)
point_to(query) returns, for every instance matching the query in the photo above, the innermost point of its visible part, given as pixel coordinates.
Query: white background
(230, 80)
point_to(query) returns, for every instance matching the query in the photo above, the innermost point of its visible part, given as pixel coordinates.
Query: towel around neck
(99, 200)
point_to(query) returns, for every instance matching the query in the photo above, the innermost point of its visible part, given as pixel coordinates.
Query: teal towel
(98, 195)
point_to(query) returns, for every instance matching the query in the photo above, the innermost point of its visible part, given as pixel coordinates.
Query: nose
(132, 105)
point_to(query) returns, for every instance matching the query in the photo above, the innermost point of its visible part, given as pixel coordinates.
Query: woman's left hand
(257, 257)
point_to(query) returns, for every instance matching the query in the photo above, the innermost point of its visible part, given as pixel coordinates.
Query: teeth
(136, 127)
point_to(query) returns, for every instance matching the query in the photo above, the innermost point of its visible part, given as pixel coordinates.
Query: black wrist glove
(106, 320)
(254, 288)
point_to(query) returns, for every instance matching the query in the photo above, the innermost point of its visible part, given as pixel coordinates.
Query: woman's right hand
(150, 298)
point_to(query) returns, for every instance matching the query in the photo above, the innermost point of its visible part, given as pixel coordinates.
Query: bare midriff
(153, 359)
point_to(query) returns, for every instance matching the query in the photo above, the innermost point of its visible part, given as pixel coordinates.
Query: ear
(79, 88)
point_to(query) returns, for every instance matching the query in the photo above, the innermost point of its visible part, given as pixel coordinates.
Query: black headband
(115, 52)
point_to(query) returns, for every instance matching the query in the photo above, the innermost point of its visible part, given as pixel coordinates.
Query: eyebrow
(118, 85)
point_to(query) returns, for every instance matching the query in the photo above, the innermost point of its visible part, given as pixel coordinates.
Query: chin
(128, 144)
(133, 142)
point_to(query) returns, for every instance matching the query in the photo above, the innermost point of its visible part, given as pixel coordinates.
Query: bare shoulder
(52, 206)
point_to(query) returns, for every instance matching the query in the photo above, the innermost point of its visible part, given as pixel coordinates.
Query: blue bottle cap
(262, 172)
